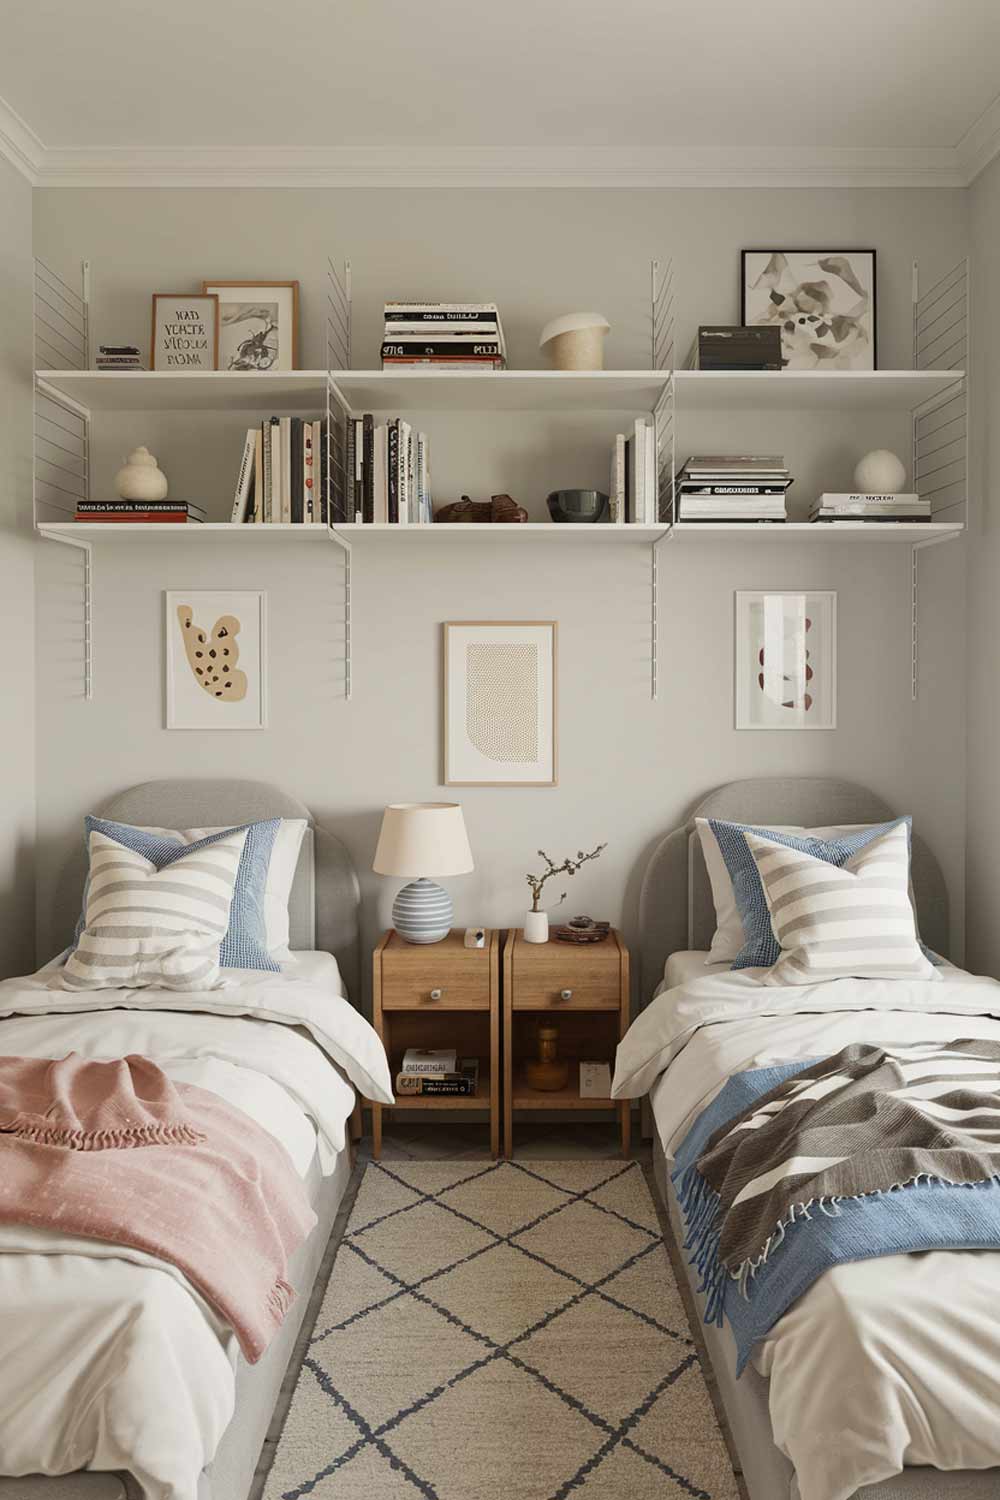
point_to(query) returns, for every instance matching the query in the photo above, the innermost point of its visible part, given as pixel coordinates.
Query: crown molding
(497, 167)
(980, 143)
(19, 144)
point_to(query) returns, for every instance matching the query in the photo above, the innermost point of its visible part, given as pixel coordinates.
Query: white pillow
(280, 873)
(832, 922)
(729, 935)
(148, 927)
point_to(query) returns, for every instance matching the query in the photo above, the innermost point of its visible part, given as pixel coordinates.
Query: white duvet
(884, 1363)
(110, 1359)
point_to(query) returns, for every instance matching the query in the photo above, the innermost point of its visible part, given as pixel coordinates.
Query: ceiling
(864, 92)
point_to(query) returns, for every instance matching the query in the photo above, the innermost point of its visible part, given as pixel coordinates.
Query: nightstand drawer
(448, 990)
(538, 993)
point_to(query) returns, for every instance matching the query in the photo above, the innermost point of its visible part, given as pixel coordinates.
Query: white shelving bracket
(917, 548)
(83, 546)
(654, 620)
(347, 550)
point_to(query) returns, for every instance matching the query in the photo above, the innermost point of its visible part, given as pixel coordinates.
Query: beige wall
(629, 768)
(983, 866)
(17, 674)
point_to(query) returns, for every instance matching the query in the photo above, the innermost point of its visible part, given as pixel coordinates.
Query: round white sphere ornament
(141, 478)
(879, 473)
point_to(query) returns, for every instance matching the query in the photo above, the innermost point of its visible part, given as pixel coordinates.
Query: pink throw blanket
(114, 1151)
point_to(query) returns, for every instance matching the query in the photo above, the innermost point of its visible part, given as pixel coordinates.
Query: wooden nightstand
(440, 995)
(584, 988)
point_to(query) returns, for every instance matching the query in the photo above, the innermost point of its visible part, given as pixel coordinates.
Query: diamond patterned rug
(501, 1329)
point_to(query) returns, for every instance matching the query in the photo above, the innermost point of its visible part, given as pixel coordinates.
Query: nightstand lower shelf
(523, 1096)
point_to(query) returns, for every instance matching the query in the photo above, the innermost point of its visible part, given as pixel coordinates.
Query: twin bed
(881, 1380)
(112, 1361)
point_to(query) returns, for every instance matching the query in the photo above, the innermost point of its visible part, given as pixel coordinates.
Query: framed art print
(500, 703)
(258, 324)
(822, 300)
(185, 332)
(786, 660)
(216, 659)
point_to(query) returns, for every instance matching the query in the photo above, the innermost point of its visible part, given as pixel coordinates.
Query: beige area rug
(499, 1331)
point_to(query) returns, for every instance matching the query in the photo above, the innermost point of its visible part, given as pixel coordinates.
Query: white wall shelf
(810, 390)
(187, 390)
(860, 531)
(179, 532)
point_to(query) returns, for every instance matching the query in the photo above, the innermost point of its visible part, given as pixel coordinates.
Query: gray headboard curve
(676, 898)
(326, 897)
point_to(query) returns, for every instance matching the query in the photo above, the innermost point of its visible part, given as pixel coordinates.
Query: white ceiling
(534, 90)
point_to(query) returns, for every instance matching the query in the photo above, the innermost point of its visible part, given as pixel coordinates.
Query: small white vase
(536, 927)
(141, 478)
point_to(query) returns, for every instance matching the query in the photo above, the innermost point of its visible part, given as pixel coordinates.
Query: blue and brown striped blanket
(796, 1168)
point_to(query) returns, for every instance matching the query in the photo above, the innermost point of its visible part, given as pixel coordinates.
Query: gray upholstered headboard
(675, 903)
(324, 908)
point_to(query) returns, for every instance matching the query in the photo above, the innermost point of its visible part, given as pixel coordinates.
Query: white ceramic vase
(536, 927)
(141, 478)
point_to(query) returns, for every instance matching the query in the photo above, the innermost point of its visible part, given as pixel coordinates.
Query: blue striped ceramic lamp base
(418, 840)
(422, 912)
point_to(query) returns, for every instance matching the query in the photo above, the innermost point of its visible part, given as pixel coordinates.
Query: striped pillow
(148, 927)
(834, 923)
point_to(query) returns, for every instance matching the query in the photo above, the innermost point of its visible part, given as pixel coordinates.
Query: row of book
(282, 474)
(440, 1071)
(732, 487)
(387, 480)
(850, 509)
(633, 494)
(447, 335)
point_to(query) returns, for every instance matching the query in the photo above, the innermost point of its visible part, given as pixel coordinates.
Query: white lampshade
(423, 838)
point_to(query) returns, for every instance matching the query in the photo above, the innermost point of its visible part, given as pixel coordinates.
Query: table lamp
(422, 839)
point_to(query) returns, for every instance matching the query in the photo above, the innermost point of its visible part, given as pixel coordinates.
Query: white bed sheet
(111, 1359)
(884, 1363)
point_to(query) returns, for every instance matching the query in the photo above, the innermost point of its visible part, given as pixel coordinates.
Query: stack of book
(446, 335)
(178, 512)
(441, 1072)
(118, 357)
(388, 478)
(736, 348)
(854, 510)
(282, 474)
(633, 491)
(732, 487)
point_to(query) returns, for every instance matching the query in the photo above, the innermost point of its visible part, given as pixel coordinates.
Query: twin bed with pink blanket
(173, 1164)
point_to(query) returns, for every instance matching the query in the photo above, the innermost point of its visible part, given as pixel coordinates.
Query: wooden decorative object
(499, 509)
(597, 932)
(546, 1072)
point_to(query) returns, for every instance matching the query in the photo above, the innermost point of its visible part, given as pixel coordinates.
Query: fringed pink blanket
(114, 1151)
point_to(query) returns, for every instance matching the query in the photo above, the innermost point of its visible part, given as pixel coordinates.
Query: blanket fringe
(280, 1298)
(118, 1139)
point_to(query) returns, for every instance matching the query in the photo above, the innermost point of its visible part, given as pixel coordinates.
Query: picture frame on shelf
(500, 703)
(185, 331)
(215, 658)
(785, 661)
(258, 324)
(824, 302)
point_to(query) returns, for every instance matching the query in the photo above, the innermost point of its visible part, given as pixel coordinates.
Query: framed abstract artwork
(216, 659)
(258, 324)
(786, 660)
(822, 300)
(500, 703)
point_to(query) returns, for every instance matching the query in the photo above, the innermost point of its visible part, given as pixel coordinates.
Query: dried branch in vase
(568, 867)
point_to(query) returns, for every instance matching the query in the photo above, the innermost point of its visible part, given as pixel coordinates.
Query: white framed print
(500, 703)
(786, 659)
(216, 658)
(258, 324)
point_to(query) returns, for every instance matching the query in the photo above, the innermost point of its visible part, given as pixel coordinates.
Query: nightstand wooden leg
(357, 1127)
(376, 1132)
(626, 1120)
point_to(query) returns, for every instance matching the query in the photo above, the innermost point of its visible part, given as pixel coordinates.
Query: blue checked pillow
(245, 943)
(761, 949)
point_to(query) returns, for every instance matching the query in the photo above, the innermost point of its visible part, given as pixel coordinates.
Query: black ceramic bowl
(578, 505)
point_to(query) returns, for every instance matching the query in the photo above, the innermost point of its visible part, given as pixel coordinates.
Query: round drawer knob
(565, 994)
(436, 994)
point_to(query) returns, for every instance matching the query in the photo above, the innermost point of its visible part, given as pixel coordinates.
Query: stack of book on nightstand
(440, 1072)
(733, 487)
